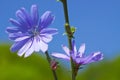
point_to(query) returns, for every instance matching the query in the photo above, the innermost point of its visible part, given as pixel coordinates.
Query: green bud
(73, 29)
(66, 24)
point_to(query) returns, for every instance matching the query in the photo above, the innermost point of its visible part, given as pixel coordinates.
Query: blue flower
(31, 32)
(78, 56)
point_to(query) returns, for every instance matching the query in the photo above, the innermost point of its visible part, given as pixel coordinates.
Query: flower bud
(53, 65)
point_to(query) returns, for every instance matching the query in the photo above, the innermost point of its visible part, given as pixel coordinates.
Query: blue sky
(97, 22)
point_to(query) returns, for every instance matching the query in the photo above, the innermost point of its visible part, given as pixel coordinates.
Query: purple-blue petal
(66, 49)
(22, 19)
(27, 17)
(92, 58)
(13, 36)
(21, 26)
(46, 19)
(60, 55)
(50, 31)
(43, 46)
(46, 38)
(34, 15)
(15, 22)
(25, 47)
(12, 30)
(17, 45)
(81, 50)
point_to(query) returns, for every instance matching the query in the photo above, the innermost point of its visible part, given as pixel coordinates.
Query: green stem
(69, 35)
(49, 61)
(65, 11)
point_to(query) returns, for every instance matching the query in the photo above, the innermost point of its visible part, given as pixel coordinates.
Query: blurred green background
(35, 67)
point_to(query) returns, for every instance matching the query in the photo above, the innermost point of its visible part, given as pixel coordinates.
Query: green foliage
(35, 67)
(105, 70)
(13, 67)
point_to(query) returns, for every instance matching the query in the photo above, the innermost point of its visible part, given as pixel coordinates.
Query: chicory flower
(31, 33)
(78, 55)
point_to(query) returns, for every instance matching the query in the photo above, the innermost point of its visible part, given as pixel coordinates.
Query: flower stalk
(49, 61)
(69, 35)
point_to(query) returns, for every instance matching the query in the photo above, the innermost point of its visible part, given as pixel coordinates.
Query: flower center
(34, 31)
